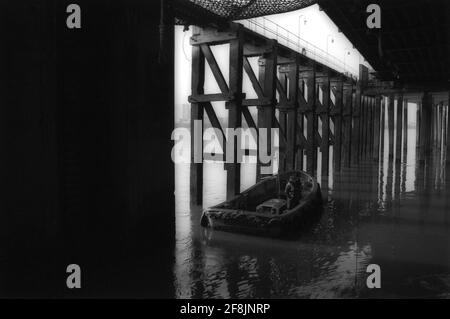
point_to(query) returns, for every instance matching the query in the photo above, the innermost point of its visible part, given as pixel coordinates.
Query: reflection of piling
(399, 130)
(390, 111)
(405, 131)
(425, 127)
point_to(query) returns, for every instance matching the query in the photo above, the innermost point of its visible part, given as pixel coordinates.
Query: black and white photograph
(224, 154)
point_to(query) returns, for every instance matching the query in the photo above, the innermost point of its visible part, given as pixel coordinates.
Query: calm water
(393, 215)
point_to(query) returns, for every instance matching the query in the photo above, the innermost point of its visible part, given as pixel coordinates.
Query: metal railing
(285, 37)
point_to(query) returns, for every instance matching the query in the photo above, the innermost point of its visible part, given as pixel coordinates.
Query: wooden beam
(337, 120)
(215, 68)
(356, 115)
(347, 125)
(425, 127)
(235, 112)
(268, 79)
(197, 88)
(325, 117)
(251, 74)
(282, 115)
(311, 117)
(291, 133)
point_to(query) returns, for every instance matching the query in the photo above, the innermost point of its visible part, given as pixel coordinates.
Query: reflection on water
(391, 214)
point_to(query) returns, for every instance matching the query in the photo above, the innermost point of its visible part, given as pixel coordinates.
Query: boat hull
(237, 215)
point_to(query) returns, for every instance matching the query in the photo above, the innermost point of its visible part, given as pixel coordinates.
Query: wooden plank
(208, 108)
(281, 89)
(209, 98)
(211, 36)
(215, 68)
(251, 74)
(256, 102)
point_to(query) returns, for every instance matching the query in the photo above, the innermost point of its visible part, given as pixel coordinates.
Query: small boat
(263, 209)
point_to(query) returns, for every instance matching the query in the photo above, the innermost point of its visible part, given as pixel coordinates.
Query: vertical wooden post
(439, 124)
(311, 117)
(369, 123)
(337, 120)
(369, 134)
(373, 127)
(398, 152)
(382, 126)
(356, 113)
(266, 114)
(197, 88)
(283, 115)
(433, 126)
(234, 108)
(405, 128)
(291, 133)
(303, 107)
(376, 128)
(425, 127)
(362, 126)
(347, 125)
(391, 123)
(448, 133)
(324, 114)
(418, 124)
(444, 127)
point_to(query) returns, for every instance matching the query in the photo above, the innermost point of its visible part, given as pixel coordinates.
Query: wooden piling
(338, 123)
(448, 133)
(405, 128)
(356, 113)
(323, 112)
(382, 126)
(376, 128)
(196, 166)
(234, 111)
(266, 113)
(347, 125)
(425, 126)
(311, 117)
(399, 130)
(390, 110)
(293, 106)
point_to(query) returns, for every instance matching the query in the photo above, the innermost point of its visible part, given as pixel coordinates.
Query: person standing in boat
(293, 192)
